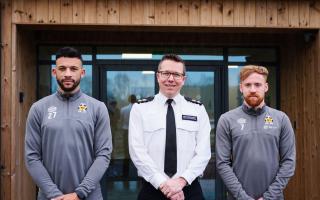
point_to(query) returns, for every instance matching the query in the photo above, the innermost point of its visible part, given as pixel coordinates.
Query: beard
(68, 89)
(253, 100)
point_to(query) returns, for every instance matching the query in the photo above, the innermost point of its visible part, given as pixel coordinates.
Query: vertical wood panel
(160, 12)
(102, 13)
(315, 14)
(30, 10)
(90, 11)
(272, 16)
(304, 15)
(18, 12)
(317, 111)
(42, 7)
(6, 84)
(217, 12)
(137, 12)
(125, 12)
(293, 13)
(78, 11)
(194, 12)
(148, 12)
(239, 13)
(26, 71)
(172, 12)
(113, 12)
(228, 13)
(66, 11)
(183, 12)
(206, 12)
(261, 9)
(15, 149)
(54, 11)
(290, 93)
(283, 20)
(250, 13)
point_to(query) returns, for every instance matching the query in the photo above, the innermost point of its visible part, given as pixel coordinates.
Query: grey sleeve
(287, 152)
(223, 161)
(33, 156)
(102, 148)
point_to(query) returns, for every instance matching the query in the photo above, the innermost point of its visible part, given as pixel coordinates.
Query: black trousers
(191, 192)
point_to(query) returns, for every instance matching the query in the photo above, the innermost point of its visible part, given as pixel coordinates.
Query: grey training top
(68, 145)
(255, 152)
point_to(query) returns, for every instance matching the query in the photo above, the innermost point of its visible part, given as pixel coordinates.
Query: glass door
(120, 81)
(121, 85)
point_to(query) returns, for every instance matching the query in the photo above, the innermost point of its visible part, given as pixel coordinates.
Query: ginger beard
(253, 100)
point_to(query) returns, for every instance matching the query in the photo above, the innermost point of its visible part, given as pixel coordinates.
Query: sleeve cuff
(188, 177)
(157, 179)
(80, 194)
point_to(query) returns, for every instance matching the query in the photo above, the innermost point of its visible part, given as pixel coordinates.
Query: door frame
(220, 94)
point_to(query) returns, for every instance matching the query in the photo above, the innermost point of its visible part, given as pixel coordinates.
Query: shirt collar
(70, 97)
(252, 111)
(163, 99)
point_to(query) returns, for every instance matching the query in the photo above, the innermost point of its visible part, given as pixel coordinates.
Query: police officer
(169, 138)
(255, 144)
(68, 138)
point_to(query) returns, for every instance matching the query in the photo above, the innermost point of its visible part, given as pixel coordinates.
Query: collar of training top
(252, 111)
(70, 97)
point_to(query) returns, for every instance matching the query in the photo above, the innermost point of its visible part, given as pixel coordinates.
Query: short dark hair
(172, 57)
(68, 52)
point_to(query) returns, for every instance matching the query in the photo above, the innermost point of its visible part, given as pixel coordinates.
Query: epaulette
(193, 101)
(145, 100)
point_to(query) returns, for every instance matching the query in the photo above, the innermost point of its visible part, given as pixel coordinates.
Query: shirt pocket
(187, 126)
(153, 124)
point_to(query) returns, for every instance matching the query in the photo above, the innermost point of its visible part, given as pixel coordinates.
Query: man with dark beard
(68, 138)
(255, 144)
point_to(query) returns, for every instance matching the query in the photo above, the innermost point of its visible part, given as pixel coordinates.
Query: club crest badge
(242, 122)
(269, 123)
(268, 120)
(52, 112)
(82, 107)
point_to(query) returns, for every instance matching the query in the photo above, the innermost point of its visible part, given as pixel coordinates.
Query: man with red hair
(255, 144)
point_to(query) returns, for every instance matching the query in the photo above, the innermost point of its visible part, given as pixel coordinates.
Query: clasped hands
(172, 188)
(70, 196)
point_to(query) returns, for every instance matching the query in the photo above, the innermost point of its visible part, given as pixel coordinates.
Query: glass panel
(85, 84)
(156, 53)
(252, 55)
(121, 180)
(44, 80)
(200, 86)
(235, 96)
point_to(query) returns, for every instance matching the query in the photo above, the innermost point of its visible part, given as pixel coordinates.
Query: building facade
(122, 42)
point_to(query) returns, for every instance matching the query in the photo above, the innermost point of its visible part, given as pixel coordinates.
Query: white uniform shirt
(147, 136)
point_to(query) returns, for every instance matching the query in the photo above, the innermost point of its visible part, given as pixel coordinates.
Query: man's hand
(173, 186)
(70, 196)
(261, 198)
(58, 198)
(178, 196)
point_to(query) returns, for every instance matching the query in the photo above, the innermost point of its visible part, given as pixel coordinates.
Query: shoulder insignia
(193, 101)
(145, 100)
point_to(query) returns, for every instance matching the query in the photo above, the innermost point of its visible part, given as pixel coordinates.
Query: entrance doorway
(119, 81)
(112, 75)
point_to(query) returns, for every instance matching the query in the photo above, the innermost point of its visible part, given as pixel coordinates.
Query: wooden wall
(202, 21)
(300, 98)
(226, 13)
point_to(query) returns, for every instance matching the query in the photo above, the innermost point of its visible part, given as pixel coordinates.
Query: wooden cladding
(224, 13)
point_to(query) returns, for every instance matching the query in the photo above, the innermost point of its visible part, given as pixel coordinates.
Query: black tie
(170, 158)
